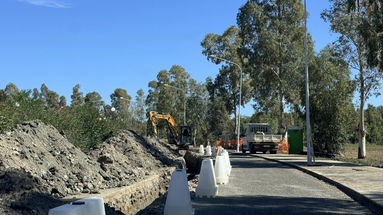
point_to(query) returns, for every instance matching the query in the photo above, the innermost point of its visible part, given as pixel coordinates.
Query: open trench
(146, 196)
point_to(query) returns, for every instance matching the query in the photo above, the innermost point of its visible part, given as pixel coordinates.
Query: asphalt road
(257, 186)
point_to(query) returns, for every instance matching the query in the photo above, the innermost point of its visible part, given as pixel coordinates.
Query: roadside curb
(360, 198)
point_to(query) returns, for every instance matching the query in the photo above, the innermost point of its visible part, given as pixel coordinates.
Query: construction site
(41, 170)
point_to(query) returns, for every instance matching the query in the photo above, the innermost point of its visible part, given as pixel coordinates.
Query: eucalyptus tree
(371, 29)
(169, 92)
(331, 101)
(11, 89)
(62, 101)
(353, 47)
(77, 96)
(374, 121)
(120, 100)
(50, 98)
(94, 99)
(273, 32)
(228, 46)
(139, 111)
(197, 110)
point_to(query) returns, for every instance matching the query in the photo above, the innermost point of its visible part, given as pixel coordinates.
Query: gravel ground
(38, 166)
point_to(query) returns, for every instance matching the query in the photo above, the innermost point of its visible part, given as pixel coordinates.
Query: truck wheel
(264, 152)
(252, 151)
(243, 150)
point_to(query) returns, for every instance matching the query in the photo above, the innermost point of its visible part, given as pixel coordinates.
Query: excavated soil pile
(38, 164)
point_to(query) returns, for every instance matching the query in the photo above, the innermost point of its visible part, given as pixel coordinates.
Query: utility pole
(310, 151)
(238, 127)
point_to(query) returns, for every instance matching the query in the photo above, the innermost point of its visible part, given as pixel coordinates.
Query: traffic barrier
(87, 206)
(220, 150)
(207, 184)
(283, 147)
(227, 161)
(220, 170)
(178, 200)
(201, 149)
(208, 150)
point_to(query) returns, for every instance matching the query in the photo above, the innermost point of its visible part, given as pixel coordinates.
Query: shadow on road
(248, 161)
(275, 205)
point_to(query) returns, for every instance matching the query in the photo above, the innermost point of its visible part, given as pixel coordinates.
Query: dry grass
(374, 155)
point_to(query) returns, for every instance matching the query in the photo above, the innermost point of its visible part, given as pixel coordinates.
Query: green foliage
(94, 99)
(168, 95)
(228, 46)
(18, 107)
(291, 119)
(353, 48)
(374, 122)
(272, 32)
(139, 112)
(77, 96)
(197, 110)
(85, 125)
(218, 119)
(10, 89)
(121, 102)
(370, 28)
(331, 92)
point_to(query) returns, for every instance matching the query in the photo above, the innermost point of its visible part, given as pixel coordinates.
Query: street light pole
(310, 152)
(240, 96)
(184, 99)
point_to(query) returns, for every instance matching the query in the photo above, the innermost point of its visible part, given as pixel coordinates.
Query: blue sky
(108, 44)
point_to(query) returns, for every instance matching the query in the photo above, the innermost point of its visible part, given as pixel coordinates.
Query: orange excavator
(181, 136)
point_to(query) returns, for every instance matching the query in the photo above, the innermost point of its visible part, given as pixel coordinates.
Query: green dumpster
(295, 139)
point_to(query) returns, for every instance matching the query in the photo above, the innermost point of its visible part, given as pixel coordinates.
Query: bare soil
(38, 166)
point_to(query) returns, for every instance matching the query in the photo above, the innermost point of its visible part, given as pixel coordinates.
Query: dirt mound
(128, 157)
(35, 159)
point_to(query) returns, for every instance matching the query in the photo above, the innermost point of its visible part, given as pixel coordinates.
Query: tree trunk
(361, 129)
(235, 116)
(282, 129)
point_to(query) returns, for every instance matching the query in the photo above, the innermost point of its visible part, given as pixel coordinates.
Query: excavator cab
(186, 135)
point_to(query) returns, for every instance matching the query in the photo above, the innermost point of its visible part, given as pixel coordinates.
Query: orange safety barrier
(228, 144)
(283, 147)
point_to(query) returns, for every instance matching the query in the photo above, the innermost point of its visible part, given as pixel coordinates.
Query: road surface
(258, 186)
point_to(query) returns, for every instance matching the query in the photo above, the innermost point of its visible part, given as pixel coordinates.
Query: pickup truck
(259, 138)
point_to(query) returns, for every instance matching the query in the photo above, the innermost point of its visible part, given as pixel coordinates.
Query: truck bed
(266, 138)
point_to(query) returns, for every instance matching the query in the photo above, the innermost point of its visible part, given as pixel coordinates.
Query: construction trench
(40, 169)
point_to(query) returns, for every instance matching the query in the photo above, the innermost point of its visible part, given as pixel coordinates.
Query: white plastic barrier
(225, 154)
(201, 149)
(220, 170)
(208, 150)
(220, 150)
(207, 184)
(213, 152)
(178, 200)
(87, 206)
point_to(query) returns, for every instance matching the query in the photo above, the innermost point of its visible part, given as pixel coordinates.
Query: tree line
(267, 44)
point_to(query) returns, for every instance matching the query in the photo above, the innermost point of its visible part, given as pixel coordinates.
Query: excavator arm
(153, 116)
(181, 137)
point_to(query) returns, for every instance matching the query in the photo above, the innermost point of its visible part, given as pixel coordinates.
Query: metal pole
(238, 128)
(310, 154)
(239, 109)
(185, 110)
